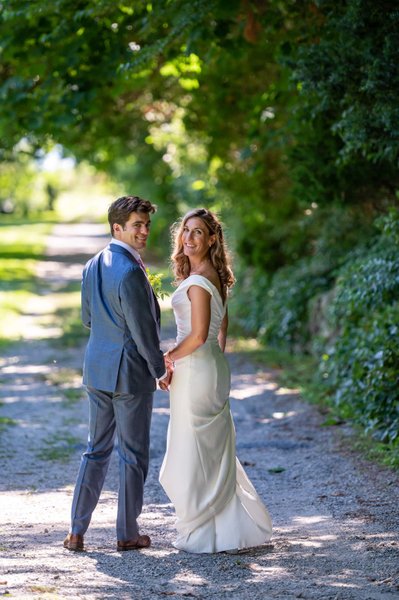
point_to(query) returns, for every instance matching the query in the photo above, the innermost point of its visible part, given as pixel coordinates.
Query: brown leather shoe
(74, 541)
(143, 541)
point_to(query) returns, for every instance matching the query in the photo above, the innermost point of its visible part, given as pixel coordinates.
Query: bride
(216, 505)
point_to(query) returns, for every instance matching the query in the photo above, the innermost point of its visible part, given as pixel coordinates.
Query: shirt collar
(132, 251)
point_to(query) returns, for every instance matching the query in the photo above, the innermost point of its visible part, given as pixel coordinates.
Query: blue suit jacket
(120, 308)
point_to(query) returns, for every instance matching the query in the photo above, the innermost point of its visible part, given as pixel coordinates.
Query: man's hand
(165, 382)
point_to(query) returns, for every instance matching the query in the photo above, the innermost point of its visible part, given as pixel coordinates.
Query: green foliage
(59, 448)
(346, 138)
(6, 422)
(282, 116)
(362, 373)
(352, 72)
(286, 309)
(156, 283)
(357, 340)
(21, 245)
(361, 368)
(247, 302)
(20, 188)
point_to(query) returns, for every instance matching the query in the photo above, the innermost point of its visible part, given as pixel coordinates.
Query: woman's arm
(200, 320)
(223, 332)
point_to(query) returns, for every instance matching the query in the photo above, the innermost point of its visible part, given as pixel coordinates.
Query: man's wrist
(164, 376)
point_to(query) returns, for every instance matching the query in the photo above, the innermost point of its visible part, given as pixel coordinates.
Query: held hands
(165, 383)
(169, 362)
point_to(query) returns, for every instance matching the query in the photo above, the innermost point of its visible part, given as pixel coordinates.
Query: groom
(122, 361)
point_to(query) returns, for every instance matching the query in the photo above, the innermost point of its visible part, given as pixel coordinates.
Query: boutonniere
(155, 280)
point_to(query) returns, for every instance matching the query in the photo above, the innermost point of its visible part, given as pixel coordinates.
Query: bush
(362, 373)
(362, 368)
(247, 304)
(286, 310)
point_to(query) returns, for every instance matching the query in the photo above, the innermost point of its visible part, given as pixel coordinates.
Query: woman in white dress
(216, 505)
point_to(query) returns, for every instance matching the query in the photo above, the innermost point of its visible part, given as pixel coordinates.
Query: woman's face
(196, 238)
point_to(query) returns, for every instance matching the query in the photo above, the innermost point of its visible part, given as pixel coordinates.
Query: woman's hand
(169, 362)
(165, 382)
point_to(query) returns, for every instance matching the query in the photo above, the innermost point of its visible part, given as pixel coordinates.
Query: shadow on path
(335, 517)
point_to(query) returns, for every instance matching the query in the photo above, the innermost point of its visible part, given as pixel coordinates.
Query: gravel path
(335, 516)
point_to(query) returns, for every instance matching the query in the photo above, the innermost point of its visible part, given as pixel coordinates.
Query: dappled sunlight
(282, 391)
(283, 415)
(36, 332)
(55, 271)
(161, 411)
(332, 580)
(286, 457)
(189, 577)
(9, 360)
(243, 386)
(316, 541)
(277, 416)
(82, 237)
(19, 369)
(242, 344)
(250, 391)
(35, 396)
(308, 532)
(33, 507)
(12, 306)
(311, 520)
(259, 572)
(37, 319)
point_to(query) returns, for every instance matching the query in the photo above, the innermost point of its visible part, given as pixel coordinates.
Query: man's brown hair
(121, 209)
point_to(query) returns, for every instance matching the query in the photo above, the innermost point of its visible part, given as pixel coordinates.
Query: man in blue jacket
(123, 359)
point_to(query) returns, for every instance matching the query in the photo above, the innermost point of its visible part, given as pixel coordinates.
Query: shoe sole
(74, 547)
(127, 548)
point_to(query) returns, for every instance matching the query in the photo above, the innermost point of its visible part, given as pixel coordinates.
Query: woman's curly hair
(218, 252)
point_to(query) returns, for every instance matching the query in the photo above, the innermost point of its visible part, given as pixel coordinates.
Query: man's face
(135, 231)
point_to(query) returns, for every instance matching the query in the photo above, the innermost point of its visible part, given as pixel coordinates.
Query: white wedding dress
(216, 505)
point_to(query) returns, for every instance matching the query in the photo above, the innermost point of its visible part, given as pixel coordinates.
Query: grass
(23, 238)
(63, 377)
(72, 396)
(45, 589)
(375, 451)
(6, 422)
(42, 589)
(59, 448)
(73, 332)
(22, 244)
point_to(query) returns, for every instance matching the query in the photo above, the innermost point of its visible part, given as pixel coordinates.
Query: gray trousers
(129, 417)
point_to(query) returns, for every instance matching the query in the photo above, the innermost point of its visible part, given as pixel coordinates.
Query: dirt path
(335, 517)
